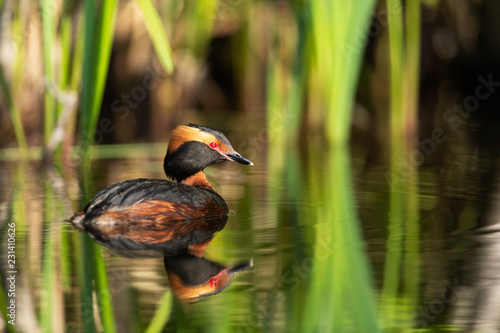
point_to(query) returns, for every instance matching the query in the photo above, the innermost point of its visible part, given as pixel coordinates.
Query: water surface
(331, 247)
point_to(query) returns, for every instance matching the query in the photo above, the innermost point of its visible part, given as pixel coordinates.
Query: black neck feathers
(192, 270)
(188, 159)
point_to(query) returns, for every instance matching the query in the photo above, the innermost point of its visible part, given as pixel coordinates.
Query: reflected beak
(238, 158)
(242, 266)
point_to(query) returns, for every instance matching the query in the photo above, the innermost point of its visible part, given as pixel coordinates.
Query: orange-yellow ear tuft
(182, 134)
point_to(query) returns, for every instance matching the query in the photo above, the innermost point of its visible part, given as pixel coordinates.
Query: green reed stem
(157, 33)
(294, 106)
(162, 314)
(337, 25)
(86, 283)
(201, 20)
(412, 237)
(86, 270)
(397, 198)
(97, 48)
(48, 24)
(78, 54)
(104, 299)
(17, 214)
(404, 230)
(9, 89)
(14, 115)
(340, 298)
(341, 270)
(98, 38)
(65, 260)
(48, 270)
(99, 30)
(93, 275)
(66, 31)
(89, 71)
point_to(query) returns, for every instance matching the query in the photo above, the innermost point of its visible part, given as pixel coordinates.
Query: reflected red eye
(213, 282)
(213, 145)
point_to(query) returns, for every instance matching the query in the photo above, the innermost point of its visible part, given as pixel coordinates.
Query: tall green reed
(404, 231)
(52, 316)
(17, 215)
(412, 68)
(283, 103)
(340, 296)
(99, 23)
(162, 314)
(389, 304)
(14, 115)
(337, 27)
(48, 271)
(71, 64)
(200, 16)
(10, 89)
(99, 30)
(341, 291)
(57, 68)
(47, 11)
(157, 34)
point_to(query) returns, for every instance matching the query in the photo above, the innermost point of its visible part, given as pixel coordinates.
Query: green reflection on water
(299, 224)
(340, 298)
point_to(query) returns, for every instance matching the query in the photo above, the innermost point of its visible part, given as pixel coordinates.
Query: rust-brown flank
(157, 221)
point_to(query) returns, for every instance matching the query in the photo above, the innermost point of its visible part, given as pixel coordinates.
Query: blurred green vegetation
(307, 72)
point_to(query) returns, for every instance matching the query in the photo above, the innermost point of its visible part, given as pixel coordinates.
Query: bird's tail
(77, 219)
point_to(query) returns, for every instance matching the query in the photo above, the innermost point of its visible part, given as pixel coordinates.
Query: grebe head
(194, 147)
(191, 278)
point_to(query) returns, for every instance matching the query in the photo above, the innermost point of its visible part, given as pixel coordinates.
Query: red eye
(213, 145)
(213, 282)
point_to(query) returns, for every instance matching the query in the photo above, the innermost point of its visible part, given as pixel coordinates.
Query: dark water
(424, 258)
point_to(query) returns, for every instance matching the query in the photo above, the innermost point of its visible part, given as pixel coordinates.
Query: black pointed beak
(238, 158)
(241, 267)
